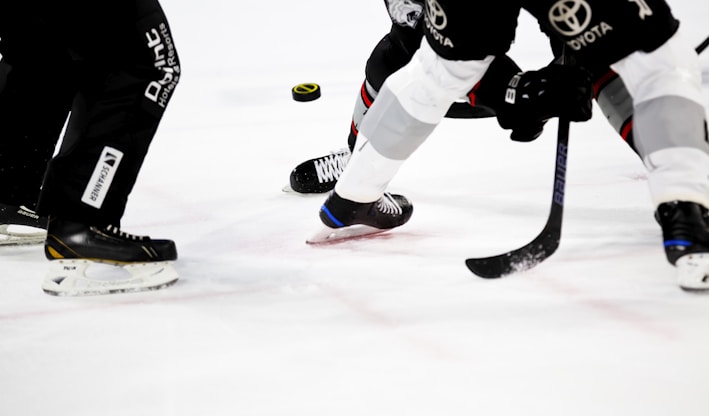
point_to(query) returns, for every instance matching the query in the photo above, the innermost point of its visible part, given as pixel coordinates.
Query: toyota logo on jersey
(436, 16)
(570, 17)
(437, 20)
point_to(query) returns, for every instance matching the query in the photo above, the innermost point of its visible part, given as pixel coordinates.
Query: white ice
(263, 324)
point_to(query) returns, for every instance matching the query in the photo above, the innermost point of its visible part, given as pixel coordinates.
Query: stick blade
(546, 243)
(524, 258)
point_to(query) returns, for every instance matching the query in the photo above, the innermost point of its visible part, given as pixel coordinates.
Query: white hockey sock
(367, 174)
(678, 174)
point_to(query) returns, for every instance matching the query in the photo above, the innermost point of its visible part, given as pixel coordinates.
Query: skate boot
(72, 247)
(20, 225)
(685, 231)
(345, 219)
(319, 175)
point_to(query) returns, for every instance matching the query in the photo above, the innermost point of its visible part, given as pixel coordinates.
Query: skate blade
(333, 235)
(289, 190)
(21, 235)
(693, 272)
(311, 192)
(68, 278)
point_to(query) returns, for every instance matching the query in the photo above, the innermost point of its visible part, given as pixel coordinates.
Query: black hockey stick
(702, 45)
(546, 243)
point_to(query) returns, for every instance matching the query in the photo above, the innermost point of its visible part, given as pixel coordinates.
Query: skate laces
(329, 168)
(387, 205)
(112, 229)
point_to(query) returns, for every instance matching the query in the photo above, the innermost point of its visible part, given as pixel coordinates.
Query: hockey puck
(306, 92)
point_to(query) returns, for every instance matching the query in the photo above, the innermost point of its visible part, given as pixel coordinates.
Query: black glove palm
(534, 97)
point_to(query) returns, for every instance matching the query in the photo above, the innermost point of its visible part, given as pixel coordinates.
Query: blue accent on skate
(332, 217)
(683, 243)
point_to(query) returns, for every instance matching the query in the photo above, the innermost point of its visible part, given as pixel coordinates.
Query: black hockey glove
(489, 95)
(536, 96)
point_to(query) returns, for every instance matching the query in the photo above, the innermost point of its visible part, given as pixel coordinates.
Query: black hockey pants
(112, 66)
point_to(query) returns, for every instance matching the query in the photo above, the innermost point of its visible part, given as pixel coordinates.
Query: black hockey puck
(306, 92)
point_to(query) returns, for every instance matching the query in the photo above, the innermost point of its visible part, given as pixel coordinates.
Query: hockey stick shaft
(546, 243)
(702, 45)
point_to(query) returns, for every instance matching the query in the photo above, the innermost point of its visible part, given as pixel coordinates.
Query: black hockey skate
(319, 175)
(73, 240)
(345, 219)
(20, 225)
(73, 246)
(685, 231)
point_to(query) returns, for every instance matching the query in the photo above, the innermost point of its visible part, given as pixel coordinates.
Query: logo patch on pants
(101, 179)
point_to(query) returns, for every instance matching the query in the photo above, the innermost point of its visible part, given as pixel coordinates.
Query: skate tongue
(69, 277)
(693, 272)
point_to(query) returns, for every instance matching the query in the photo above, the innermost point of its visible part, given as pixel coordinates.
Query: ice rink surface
(263, 324)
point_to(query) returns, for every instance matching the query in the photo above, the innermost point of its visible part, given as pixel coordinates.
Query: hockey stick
(702, 45)
(546, 243)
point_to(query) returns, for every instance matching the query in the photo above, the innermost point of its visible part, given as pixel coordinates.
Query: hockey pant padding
(672, 69)
(429, 84)
(372, 165)
(410, 104)
(669, 135)
(668, 122)
(392, 131)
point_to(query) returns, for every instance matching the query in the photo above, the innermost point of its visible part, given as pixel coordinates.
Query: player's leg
(36, 90)
(661, 72)
(130, 69)
(410, 104)
(394, 50)
(671, 137)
